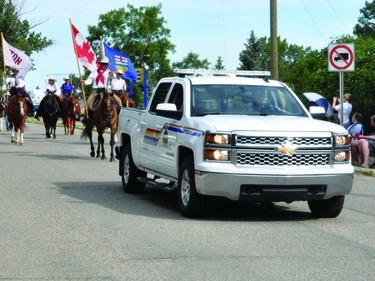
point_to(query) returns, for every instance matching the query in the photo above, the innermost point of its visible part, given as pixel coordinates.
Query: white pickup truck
(214, 133)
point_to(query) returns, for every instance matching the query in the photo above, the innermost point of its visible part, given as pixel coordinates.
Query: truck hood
(228, 123)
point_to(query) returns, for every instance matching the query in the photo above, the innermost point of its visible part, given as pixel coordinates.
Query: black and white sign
(341, 57)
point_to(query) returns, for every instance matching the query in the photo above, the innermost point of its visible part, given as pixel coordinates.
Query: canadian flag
(83, 50)
(13, 56)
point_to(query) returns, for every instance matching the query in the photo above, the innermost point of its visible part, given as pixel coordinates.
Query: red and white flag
(83, 50)
(13, 56)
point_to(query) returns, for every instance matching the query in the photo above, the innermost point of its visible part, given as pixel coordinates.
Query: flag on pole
(13, 56)
(120, 61)
(320, 101)
(83, 50)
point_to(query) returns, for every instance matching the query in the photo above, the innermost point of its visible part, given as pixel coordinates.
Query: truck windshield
(243, 99)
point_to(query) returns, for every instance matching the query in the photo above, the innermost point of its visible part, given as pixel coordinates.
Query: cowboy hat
(15, 67)
(66, 78)
(52, 78)
(104, 60)
(119, 72)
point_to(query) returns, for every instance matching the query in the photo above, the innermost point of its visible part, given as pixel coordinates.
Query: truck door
(170, 134)
(151, 130)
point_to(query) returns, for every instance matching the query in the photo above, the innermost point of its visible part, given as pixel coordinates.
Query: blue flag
(120, 61)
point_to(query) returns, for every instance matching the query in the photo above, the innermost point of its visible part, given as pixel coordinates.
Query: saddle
(97, 102)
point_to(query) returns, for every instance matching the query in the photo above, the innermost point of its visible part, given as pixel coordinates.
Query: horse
(17, 111)
(125, 99)
(103, 116)
(71, 109)
(50, 110)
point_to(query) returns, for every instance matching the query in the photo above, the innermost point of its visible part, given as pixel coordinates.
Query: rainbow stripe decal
(152, 136)
(184, 130)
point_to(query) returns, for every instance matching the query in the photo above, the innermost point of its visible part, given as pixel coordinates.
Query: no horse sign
(341, 57)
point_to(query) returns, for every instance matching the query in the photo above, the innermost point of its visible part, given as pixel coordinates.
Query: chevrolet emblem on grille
(287, 148)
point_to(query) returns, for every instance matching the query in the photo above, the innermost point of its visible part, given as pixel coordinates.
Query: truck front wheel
(329, 208)
(190, 202)
(130, 173)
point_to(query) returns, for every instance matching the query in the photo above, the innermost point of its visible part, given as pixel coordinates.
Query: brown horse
(105, 116)
(17, 110)
(71, 109)
(125, 99)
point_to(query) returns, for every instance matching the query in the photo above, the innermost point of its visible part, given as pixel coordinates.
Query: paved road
(63, 216)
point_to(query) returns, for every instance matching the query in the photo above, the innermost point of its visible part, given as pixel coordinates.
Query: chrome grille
(301, 141)
(273, 159)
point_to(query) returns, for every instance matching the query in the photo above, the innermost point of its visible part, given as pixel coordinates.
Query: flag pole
(5, 70)
(101, 46)
(79, 70)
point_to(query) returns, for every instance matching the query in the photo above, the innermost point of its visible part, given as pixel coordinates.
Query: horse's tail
(87, 131)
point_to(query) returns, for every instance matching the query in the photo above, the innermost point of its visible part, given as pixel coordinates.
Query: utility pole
(274, 45)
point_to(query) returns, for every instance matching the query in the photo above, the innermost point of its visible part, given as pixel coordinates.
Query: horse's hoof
(103, 157)
(92, 154)
(112, 159)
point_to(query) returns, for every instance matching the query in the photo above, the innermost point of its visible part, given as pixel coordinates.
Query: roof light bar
(211, 72)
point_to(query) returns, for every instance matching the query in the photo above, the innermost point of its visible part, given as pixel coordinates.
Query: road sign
(341, 57)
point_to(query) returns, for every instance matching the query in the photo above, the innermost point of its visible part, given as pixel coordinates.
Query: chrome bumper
(273, 187)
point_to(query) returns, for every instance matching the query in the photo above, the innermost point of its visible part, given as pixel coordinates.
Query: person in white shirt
(118, 85)
(100, 81)
(16, 84)
(51, 87)
(346, 109)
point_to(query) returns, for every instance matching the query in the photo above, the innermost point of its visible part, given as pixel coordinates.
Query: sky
(206, 27)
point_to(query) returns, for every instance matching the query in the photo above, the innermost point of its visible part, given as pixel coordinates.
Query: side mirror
(168, 110)
(318, 112)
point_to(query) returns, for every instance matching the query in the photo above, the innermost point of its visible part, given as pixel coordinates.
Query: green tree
(219, 64)
(139, 33)
(366, 25)
(192, 60)
(253, 57)
(18, 32)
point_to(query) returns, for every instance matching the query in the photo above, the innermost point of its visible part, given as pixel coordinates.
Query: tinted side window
(160, 94)
(177, 96)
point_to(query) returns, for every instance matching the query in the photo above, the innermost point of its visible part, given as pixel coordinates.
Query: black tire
(329, 208)
(191, 203)
(130, 173)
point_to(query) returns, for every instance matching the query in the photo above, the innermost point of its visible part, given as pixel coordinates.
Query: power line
(338, 15)
(312, 18)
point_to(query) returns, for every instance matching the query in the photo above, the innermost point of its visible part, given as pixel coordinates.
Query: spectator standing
(346, 109)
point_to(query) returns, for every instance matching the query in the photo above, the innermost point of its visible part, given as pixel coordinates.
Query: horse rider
(16, 85)
(118, 85)
(67, 89)
(100, 82)
(51, 87)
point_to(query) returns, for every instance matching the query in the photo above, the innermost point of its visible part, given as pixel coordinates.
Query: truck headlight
(342, 140)
(211, 138)
(342, 156)
(216, 155)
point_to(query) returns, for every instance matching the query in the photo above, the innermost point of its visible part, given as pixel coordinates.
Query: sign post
(340, 59)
